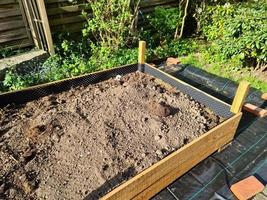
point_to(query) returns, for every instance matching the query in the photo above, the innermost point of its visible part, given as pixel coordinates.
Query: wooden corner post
(240, 97)
(141, 55)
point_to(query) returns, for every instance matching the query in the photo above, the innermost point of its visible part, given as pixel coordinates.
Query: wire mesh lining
(35, 92)
(218, 107)
(32, 93)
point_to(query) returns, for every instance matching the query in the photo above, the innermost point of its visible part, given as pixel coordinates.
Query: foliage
(231, 40)
(174, 48)
(160, 26)
(105, 58)
(110, 24)
(237, 31)
(59, 67)
(7, 51)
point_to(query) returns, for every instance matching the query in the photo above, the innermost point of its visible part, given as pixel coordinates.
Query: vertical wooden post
(47, 31)
(141, 55)
(240, 97)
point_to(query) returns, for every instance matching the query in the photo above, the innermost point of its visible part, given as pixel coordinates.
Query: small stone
(159, 152)
(12, 193)
(55, 137)
(158, 137)
(118, 78)
(2, 188)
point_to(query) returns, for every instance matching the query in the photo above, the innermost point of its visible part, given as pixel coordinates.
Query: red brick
(172, 61)
(247, 188)
(264, 96)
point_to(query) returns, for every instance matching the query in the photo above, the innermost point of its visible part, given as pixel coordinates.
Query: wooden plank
(55, 1)
(66, 20)
(26, 24)
(13, 35)
(4, 26)
(33, 29)
(47, 31)
(16, 44)
(142, 52)
(4, 2)
(240, 97)
(155, 178)
(153, 3)
(71, 28)
(66, 9)
(9, 13)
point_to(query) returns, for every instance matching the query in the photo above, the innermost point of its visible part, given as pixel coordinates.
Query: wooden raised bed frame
(155, 178)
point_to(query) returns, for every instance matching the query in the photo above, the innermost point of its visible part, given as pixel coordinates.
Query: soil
(84, 142)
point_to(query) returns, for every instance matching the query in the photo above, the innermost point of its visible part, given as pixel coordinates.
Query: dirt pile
(84, 142)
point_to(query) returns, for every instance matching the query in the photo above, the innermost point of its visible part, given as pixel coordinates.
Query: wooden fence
(14, 32)
(63, 16)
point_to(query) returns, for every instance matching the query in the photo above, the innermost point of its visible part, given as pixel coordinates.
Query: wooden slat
(17, 44)
(26, 24)
(65, 9)
(153, 3)
(240, 97)
(46, 27)
(32, 25)
(13, 35)
(155, 178)
(66, 20)
(71, 28)
(4, 26)
(9, 13)
(55, 1)
(4, 2)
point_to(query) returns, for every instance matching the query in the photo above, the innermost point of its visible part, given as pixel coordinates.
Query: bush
(237, 30)
(111, 24)
(174, 48)
(160, 26)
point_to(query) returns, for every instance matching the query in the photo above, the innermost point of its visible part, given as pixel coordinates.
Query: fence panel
(14, 31)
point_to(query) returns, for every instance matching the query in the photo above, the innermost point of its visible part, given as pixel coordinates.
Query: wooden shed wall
(13, 25)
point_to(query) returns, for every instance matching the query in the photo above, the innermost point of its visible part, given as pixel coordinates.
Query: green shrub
(175, 48)
(111, 24)
(160, 25)
(238, 30)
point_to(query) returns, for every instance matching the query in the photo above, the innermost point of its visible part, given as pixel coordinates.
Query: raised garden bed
(141, 129)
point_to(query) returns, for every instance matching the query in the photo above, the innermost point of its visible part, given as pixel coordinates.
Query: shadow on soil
(111, 183)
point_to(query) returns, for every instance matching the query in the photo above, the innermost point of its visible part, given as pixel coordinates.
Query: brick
(172, 61)
(247, 188)
(264, 96)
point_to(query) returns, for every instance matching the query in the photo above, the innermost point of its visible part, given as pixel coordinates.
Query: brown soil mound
(84, 142)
